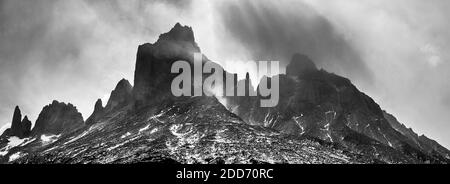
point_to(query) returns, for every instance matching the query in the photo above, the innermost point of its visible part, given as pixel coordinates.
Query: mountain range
(320, 118)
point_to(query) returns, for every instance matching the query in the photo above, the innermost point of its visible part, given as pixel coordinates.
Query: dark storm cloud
(272, 30)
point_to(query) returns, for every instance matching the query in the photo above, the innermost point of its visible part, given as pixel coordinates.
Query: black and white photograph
(251, 83)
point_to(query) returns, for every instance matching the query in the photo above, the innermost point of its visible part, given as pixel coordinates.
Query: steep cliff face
(57, 118)
(16, 124)
(153, 63)
(19, 128)
(152, 77)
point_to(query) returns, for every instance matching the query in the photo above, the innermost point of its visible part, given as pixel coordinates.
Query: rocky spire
(98, 105)
(120, 96)
(99, 111)
(300, 64)
(16, 121)
(26, 127)
(57, 118)
(19, 128)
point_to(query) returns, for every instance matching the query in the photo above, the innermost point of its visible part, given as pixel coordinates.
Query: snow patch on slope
(16, 156)
(125, 135)
(49, 138)
(14, 142)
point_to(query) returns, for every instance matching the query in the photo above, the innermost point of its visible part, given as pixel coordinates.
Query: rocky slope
(321, 118)
(323, 105)
(421, 142)
(191, 130)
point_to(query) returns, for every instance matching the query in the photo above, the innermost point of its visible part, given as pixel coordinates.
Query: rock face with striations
(57, 118)
(19, 128)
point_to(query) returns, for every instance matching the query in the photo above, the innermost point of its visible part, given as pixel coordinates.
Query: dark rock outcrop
(179, 35)
(19, 128)
(300, 64)
(153, 75)
(57, 118)
(99, 112)
(121, 96)
(26, 127)
(17, 120)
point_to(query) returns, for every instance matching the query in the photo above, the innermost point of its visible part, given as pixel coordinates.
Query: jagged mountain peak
(123, 85)
(26, 127)
(60, 104)
(98, 105)
(57, 118)
(153, 75)
(299, 64)
(178, 42)
(120, 96)
(19, 127)
(178, 33)
(25, 118)
(99, 111)
(17, 109)
(17, 118)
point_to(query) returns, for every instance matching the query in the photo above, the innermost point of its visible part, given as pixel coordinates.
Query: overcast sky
(76, 51)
